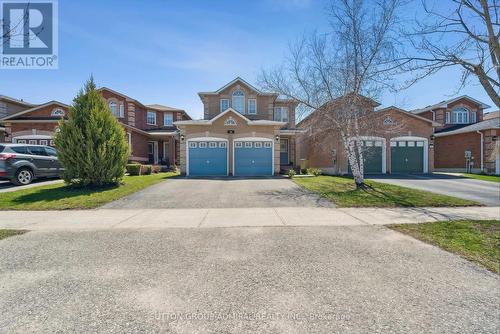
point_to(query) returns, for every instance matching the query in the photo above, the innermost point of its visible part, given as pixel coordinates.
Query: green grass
(342, 191)
(491, 178)
(477, 241)
(63, 197)
(9, 233)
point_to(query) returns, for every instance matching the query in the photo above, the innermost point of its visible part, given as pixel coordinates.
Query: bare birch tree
(463, 33)
(336, 72)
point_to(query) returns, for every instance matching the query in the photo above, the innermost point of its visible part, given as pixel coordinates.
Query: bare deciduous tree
(335, 72)
(15, 30)
(462, 33)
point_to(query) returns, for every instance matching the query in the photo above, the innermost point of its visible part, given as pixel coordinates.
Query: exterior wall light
(277, 137)
(182, 137)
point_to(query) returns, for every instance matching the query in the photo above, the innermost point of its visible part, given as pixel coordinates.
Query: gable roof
(241, 81)
(17, 114)
(444, 104)
(222, 114)
(16, 101)
(491, 114)
(484, 125)
(120, 94)
(407, 113)
(367, 99)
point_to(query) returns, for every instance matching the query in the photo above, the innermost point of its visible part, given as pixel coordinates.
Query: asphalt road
(182, 193)
(353, 279)
(485, 192)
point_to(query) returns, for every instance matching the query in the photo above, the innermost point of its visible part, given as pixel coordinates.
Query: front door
(151, 152)
(284, 152)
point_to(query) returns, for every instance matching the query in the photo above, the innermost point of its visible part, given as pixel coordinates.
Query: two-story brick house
(244, 132)
(149, 128)
(464, 133)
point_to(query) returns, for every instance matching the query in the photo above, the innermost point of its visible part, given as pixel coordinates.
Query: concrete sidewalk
(104, 219)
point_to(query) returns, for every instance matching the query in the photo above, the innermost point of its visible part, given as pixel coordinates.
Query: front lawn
(62, 197)
(482, 177)
(477, 241)
(342, 191)
(9, 233)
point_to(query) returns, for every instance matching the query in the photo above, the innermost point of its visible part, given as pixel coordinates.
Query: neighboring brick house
(464, 131)
(245, 132)
(397, 141)
(150, 131)
(9, 105)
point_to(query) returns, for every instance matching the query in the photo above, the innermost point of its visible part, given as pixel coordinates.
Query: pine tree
(91, 144)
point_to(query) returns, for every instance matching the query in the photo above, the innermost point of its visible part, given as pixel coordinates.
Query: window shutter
(447, 120)
(473, 116)
(122, 110)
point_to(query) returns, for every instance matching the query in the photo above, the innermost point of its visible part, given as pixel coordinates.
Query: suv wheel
(24, 176)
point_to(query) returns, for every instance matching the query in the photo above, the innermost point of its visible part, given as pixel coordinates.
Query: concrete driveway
(485, 192)
(221, 193)
(351, 279)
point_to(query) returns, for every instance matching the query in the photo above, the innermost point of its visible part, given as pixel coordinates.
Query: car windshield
(2, 148)
(51, 151)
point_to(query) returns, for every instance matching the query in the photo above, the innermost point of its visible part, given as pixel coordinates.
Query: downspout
(482, 145)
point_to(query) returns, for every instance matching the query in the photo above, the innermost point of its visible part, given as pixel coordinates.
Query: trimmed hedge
(133, 169)
(146, 169)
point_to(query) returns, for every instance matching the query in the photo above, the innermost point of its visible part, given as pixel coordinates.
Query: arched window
(460, 116)
(238, 102)
(114, 108)
(58, 112)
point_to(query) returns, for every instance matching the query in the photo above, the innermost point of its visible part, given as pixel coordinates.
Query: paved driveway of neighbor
(351, 279)
(484, 192)
(221, 193)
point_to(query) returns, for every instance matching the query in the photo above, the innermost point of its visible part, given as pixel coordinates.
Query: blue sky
(167, 51)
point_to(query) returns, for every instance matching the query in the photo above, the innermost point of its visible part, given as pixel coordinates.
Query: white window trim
(115, 111)
(254, 112)
(121, 111)
(147, 117)
(281, 114)
(243, 105)
(57, 112)
(220, 105)
(207, 139)
(165, 120)
(463, 112)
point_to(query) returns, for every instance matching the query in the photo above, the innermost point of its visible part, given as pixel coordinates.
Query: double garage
(405, 155)
(212, 156)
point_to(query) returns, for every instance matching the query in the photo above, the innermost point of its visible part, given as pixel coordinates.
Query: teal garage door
(253, 158)
(372, 156)
(407, 156)
(207, 158)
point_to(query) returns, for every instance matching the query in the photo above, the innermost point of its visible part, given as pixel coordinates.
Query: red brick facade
(38, 126)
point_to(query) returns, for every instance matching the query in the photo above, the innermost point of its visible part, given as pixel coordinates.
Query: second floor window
(114, 108)
(122, 111)
(281, 114)
(252, 106)
(460, 116)
(224, 105)
(151, 118)
(238, 102)
(168, 119)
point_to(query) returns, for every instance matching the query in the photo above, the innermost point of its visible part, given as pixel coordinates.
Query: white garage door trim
(256, 139)
(207, 139)
(426, 148)
(384, 148)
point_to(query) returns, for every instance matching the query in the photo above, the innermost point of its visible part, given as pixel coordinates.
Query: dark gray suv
(21, 163)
